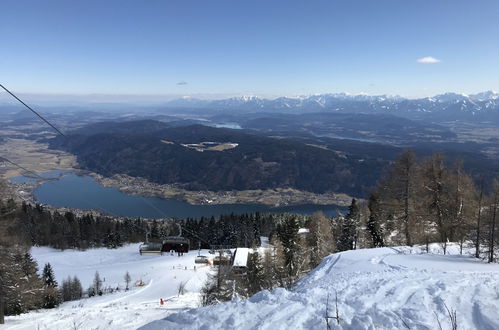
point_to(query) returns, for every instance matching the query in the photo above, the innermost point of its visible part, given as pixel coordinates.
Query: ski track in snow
(120, 310)
(382, 288)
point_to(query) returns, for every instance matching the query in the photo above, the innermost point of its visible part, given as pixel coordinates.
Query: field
(32, 155)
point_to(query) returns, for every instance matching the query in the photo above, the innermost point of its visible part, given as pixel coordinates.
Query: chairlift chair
(177, 243)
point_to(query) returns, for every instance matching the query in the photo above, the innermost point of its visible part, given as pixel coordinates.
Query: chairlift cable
(58, 131)
(31, 109)
(4, 159)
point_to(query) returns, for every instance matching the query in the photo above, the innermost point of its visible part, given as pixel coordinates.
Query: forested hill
(231, 160)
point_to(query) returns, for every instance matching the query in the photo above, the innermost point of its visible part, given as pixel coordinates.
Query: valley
(249, 165)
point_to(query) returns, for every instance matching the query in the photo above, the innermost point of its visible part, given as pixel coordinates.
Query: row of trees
(416, 202)
(63, 231)
(294, 254)
(38, 226)
(429, 201)
(234, 230)
(22, 286)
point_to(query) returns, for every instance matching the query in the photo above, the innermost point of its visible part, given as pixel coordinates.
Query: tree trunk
(406, 211)
(492, 230)
(479, 218)
(2, 321)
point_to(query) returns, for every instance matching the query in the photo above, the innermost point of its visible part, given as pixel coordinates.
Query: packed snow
(131, 309)
(384, 288)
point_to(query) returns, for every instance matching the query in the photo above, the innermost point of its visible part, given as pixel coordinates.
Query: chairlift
(177, 243)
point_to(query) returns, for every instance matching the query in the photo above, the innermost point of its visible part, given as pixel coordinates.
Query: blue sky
(266, 48)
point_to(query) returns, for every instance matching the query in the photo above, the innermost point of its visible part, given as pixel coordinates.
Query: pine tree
(219, 287)
(348, 228)
(48, 276)
(374, 221)
(51, 296)
(22, 288)
(255, 277)
(287, 231)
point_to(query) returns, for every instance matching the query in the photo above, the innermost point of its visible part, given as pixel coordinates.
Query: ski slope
(120, 310)
(386, 288)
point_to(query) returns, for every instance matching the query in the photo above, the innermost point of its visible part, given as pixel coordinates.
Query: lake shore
(270, 197)
(185, 203)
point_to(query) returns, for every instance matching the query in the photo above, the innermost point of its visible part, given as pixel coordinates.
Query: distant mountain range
(448, 106)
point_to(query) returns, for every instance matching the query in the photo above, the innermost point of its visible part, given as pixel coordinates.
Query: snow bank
(386, 288)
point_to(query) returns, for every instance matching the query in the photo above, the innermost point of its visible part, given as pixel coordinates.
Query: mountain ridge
(447, 106)
(207, 158)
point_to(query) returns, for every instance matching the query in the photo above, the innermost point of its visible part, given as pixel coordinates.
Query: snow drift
(386, 288)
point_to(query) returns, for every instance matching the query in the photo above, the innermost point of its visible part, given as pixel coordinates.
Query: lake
(83, 192)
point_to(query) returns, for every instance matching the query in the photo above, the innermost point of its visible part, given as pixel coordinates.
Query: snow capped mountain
(447, 106)
(451, 98)
(485, 96)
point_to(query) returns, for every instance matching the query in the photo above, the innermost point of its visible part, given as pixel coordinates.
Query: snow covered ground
(120, 310)
(386, 288)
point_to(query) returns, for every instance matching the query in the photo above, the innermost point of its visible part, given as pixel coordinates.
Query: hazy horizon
(151, 99)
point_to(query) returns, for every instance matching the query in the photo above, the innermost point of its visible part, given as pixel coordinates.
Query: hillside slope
(208, 158)
(387, 288)
(124, 310)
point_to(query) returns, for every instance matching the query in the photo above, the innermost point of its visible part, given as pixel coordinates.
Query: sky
(265, 48)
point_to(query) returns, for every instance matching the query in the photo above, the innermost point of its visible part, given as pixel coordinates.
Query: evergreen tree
(51, 295)
(374, 221)
(22, 288)
(348, 228)
(255, 277)
(48, 276)
(219, 287)
(287, 231)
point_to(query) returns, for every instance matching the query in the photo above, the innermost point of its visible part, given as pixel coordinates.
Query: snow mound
(385, 288)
